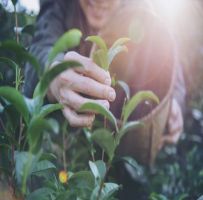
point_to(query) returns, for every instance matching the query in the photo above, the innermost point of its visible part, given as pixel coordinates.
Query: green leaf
(98, 41)
(95, 171)
(138, 172)
(115, 51)
(33, 105)
(91, 106)
(42, 194)
(8, 61)
(12, 46)
(15, 98)
(67, 41)
(12, 118)
(35, 132)
(125, 88)
(135, 100)
(48, 109)
(126, 128)
(101, 166)
(105, 140)
(43, 165)
(120, 42)
(155, 196)
(21, 53)
(49, 76)
(82, 179)
(24, 161)
(107, 191)
(98, 169)
(100, 57)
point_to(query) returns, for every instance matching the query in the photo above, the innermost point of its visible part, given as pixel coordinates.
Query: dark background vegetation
(178, 172)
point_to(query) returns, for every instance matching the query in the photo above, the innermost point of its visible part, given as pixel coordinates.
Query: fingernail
(107, 81)
(111, 95)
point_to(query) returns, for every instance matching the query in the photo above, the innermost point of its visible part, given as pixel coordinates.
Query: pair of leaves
(103, 56)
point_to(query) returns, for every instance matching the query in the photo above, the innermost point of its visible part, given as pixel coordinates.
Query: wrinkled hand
(175, 125)
(89, 80)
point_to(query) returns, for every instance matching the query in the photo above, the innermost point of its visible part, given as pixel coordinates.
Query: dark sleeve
(49, 26)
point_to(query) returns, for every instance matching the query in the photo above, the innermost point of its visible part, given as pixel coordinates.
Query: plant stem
(21, 131)
(64, 150)
(16, 24)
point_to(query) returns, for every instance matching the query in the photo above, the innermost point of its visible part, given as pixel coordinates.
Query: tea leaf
(47, 109)
(138, 172)
(67, 41)
(100, 57)
(24, 162)
(35, 132)
(98, 169)
(155, 196)
(135, 100)
(107, 191)
(125, 87)
(95, 171)
(15, 98)
(91, 106)
(83, 179)
(128, 127)
(114, 51)
(98, 41)
(8, 61)
(120, 42)
(49, 76)
(21, 53)
(43, 165)
(105, 140)
(33, 105)
(42, 193)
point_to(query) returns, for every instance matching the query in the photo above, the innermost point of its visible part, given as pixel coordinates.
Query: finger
(75, 101)
(78, 120)
(87, 86)
(89, 68)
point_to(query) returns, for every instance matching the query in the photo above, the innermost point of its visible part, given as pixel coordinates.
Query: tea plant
(24, 124)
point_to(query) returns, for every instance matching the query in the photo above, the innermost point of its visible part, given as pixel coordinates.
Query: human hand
(175, 125)
(89, 80)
